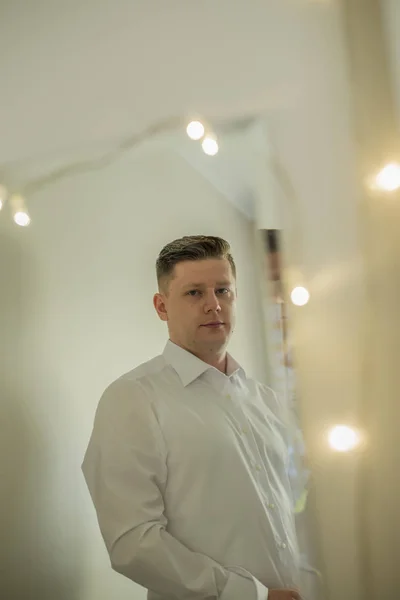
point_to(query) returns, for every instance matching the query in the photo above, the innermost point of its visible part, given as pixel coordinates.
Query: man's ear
(160, 306)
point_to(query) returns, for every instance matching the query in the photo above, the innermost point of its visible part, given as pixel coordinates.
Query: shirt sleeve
(126, 473)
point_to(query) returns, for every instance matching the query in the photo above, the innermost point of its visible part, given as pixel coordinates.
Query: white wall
(76, 312)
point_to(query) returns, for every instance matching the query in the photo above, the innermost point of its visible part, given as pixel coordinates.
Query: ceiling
(74, 72)
(77, 74)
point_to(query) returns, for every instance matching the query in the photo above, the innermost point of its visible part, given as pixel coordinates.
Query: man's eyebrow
(193, 285)
(199, 285)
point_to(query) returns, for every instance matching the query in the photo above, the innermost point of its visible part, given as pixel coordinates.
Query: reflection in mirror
(87, 265)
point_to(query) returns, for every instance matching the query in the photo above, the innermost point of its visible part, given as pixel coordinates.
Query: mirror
(78, 314)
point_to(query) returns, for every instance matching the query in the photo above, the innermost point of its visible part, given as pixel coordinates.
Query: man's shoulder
(148, 369)
(136, 383)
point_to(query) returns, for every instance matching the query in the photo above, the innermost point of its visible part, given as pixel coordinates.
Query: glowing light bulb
(388, 179)
(3, 196)
(20, 214)
(210, 145)
(22, 218)
(195, 130)
(300, 296)
(343, 438)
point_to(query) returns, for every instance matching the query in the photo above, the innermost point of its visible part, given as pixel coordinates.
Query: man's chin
(218, 336)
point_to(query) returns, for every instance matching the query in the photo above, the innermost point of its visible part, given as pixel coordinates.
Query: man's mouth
(213, 324)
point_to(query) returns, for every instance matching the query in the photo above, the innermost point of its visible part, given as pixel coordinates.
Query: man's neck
(218, 360)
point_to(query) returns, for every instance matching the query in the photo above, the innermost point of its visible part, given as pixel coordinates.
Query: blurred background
(271, 123)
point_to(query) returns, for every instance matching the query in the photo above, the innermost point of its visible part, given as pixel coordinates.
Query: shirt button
(228, 397)
(283, 545)
(271, 505)
(245, 431)
(257, 467)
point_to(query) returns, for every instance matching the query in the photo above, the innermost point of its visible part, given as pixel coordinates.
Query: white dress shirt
(187, 470)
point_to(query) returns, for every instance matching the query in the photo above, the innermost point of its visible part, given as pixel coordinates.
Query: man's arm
(125, 470)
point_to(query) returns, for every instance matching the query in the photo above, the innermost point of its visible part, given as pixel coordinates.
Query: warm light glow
(22, 219)
(343, 438)
(3, 196)
(20, 214)
(388, 179)
(210, 145)
(195, 130)
(300, 296)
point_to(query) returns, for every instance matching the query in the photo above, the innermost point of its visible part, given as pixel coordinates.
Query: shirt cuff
(241, 585)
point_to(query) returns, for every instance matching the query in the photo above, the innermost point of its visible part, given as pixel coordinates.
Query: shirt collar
(189, 367)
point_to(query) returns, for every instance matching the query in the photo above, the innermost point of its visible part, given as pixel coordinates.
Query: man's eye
(223, 291)
(193, 293)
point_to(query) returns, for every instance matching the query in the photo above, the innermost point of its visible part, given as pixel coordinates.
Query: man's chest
(218, 436)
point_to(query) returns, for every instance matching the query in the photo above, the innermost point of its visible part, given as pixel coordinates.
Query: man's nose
(211, 302)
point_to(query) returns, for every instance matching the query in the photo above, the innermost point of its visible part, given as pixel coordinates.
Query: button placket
(261, 474)
(253, 454)
(243, 428)
(227, 391)
(263, 477)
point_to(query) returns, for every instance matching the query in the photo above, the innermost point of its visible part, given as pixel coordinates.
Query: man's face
(199, 305)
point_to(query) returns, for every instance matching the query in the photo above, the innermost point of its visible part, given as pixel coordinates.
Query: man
(186, 464)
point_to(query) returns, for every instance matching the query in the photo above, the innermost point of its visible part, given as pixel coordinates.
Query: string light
(388, 178)
(195, 130)
(20, 213)
(343, 438)
(300, 296)
(21, 216)
(3, 196)
(210, 145)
